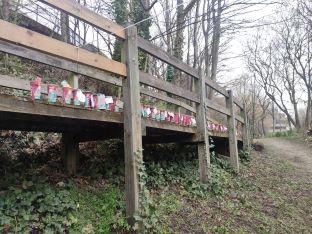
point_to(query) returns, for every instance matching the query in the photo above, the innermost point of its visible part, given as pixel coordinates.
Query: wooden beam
(215, 106)
(17, 83)
(232, 133)
(59, 62)
(157, 52)
(14, 82)
(163, 85)
(214, 85)
(150, 123)
(14, 105)
(238, 103)
(166, 98)
(239, 119)
(132, 124)
(77, 10)
(202, 132)
(13, 33)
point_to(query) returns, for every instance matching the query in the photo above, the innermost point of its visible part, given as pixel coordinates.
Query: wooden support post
(132, 123)
(69, 143)
(232, 133)
(202, 132)
(246, 144)
(70, 152)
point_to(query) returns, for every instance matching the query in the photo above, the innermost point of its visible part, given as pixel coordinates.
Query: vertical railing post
(132, 123)
(202, 131)
(246, 144)
(73, 80)
(232, 133)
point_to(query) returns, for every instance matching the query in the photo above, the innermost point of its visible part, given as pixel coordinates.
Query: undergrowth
(93, 202)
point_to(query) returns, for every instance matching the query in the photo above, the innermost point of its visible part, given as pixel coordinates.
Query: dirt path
(290, 149)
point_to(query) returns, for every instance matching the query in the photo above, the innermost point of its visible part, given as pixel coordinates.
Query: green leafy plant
(244, 156)
(38, 207)
(146, 218)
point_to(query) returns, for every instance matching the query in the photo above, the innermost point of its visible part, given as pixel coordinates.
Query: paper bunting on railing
(167, 116)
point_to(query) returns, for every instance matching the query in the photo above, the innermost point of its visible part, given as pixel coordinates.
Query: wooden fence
(34, 46)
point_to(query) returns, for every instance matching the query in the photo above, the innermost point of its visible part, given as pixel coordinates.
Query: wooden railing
(34, 46)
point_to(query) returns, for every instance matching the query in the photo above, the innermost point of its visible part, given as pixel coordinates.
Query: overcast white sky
(235, 65)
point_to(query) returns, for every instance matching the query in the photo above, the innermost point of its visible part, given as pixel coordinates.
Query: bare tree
(273, 76)
(5, 10)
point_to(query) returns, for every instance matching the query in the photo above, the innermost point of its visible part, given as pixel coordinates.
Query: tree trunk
(216, 33)
(65, 27)
(5, 10)
(297, 119)
(263, 128)
(179, 40)
(308, 112)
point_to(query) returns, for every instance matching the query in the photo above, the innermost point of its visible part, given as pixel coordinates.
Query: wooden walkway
(79, 124)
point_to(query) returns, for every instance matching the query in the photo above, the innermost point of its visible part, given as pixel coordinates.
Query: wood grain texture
(232, 133)
(54, 61)
(75, 9)
(13, 33)
(132, 124)
(203, 147)
(17, 83)
(41, 108)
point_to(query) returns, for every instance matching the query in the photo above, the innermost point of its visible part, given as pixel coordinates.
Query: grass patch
(97, 209)
(281, 134)
(262, 199)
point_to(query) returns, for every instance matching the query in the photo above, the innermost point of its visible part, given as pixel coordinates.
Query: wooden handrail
(88, 16)
(223, 110)
(166, 98)
(169, 59)
(85, 14)
(238, 103)
(166, 57)
(168, 87)
(20, 84)
(214, 85)
(16, 34)
(217, 107)
(240, 119)
(61, 63)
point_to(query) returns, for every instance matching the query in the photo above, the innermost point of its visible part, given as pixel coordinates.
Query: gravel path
(290, 149)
